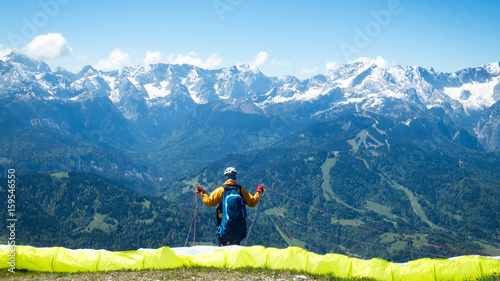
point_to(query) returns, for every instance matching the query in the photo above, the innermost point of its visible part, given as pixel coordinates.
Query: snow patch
(407, 122)
(310, 94)
(109, 80)
(154, 92)
(115, 96)
(134, 81)
(493, 68)
(481, 94)
(345, 83)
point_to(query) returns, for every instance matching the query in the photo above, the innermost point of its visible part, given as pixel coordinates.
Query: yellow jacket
(215, 197)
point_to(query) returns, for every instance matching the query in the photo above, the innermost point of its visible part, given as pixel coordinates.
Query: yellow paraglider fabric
(58, 259)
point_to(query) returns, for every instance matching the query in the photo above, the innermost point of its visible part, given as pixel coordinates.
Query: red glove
(199, 190)
(260, 189)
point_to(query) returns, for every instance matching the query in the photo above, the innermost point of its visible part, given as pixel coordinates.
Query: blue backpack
(233, 223)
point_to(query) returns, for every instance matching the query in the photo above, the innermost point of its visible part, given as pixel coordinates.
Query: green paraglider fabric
(57, 259)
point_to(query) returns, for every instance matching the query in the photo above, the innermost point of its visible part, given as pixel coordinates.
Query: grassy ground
(196, 273)
(193, 273)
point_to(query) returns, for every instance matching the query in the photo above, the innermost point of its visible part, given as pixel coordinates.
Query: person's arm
(250, 200)
(215, 197)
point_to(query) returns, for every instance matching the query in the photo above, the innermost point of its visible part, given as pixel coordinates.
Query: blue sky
(281, 37)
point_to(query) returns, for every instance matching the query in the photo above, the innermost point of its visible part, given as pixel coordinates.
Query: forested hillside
(374, 177)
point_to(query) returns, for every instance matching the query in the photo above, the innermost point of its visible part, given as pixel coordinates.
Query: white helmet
(230, 172)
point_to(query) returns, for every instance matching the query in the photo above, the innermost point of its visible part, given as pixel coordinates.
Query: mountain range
(145, 109)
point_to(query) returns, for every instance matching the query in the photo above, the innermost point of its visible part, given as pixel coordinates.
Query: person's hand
(260, 189)
(199, 190)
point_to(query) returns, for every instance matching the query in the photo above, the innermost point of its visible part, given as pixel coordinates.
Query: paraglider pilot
(231, 199)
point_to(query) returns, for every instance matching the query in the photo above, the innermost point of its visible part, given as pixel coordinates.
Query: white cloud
(331, 65)
(275, 62)
(379, 61)
(116, 60)
(4, 51)
(81, 57)
(259, 59)
(47, 46)
(213, 61)
(306, 71)
(153, 57)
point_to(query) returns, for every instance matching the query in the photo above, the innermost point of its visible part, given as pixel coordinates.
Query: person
(231, 199)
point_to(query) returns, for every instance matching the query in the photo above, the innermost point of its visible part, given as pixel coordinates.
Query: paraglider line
(190, 225)
(281, 220)
(254, 216)
(367, 243)
(178, 219)
(195, 210)
(374, 229)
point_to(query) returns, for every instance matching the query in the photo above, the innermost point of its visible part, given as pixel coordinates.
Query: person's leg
(222, 242)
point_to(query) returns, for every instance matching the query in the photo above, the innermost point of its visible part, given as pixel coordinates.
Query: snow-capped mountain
(156, 98)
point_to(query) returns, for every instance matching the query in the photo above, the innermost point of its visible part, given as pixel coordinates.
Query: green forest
(83, 210)
(359, 186)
